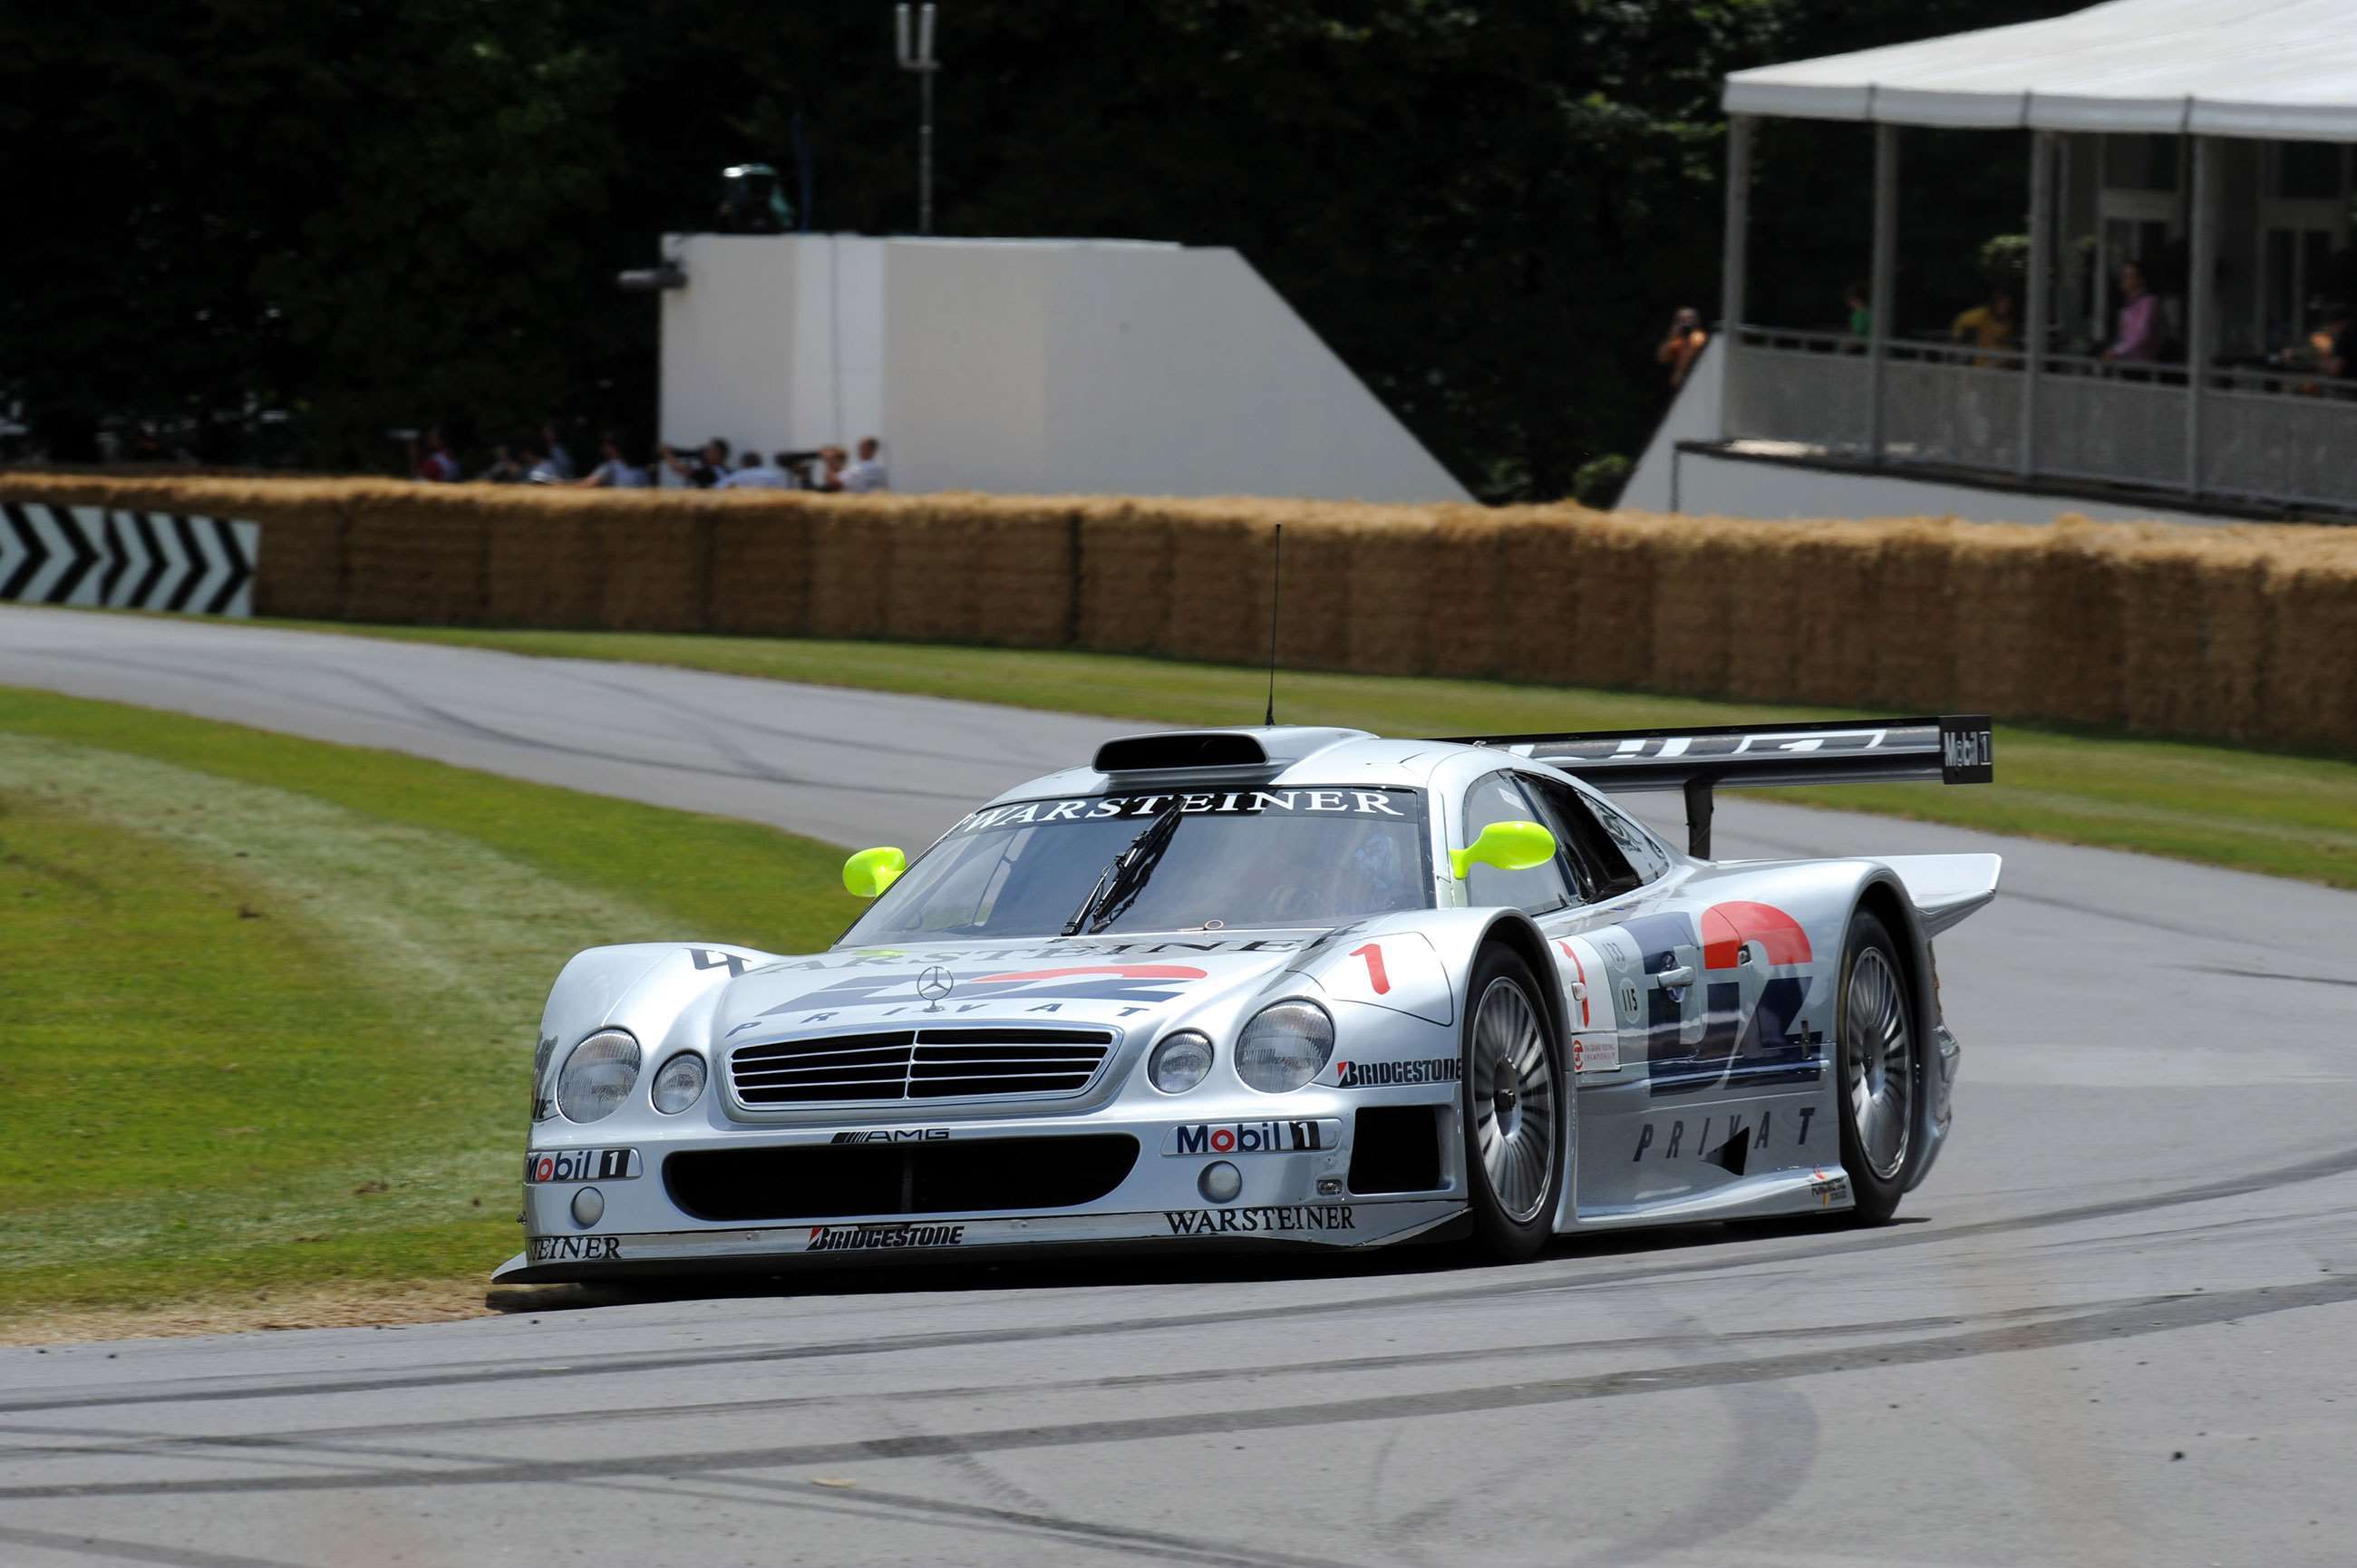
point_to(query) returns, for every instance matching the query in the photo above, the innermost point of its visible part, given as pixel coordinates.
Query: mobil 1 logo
(1252, 1138)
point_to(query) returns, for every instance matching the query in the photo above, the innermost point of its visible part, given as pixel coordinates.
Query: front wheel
(1514, 1109)
(1881, 1074)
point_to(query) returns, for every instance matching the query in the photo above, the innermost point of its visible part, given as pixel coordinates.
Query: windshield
(1202, 861)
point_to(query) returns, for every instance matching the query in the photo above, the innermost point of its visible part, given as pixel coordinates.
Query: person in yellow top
(1989, 325)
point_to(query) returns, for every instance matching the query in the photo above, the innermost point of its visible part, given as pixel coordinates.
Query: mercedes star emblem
(935, 984)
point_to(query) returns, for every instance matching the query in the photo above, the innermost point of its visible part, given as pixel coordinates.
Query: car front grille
(965, 1063)
(955, 1176)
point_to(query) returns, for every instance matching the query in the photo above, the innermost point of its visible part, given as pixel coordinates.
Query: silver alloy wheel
(1513, 1096)
(1879, 1056)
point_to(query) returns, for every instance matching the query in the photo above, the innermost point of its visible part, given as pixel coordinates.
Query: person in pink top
(2141, 325)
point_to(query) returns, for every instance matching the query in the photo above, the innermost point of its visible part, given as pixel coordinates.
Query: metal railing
(2278, 436)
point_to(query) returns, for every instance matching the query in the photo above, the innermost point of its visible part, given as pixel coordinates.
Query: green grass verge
(272, 1002)
(2285, 816)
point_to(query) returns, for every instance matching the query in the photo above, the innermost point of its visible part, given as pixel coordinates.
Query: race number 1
(1373, 954)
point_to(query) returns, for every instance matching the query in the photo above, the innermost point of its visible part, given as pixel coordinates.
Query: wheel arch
(1514, 930)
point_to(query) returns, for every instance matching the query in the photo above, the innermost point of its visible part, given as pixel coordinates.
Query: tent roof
(2257, 69)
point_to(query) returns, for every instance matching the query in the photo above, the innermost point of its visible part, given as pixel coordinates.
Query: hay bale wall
(2239, 634)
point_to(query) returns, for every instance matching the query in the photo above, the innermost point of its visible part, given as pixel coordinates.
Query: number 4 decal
(1374, 953)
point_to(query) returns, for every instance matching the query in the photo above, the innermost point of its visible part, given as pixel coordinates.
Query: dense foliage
(367, 216)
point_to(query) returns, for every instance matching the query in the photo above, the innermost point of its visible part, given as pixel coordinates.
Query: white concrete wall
(1712, 485)
(1042, 366)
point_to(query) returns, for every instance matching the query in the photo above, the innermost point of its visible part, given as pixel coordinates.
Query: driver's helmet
(1373, 876)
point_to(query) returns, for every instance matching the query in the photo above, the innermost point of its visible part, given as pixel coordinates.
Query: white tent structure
(2218, 129)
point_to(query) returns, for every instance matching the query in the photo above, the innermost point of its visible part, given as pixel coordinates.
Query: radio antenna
(1276, 602)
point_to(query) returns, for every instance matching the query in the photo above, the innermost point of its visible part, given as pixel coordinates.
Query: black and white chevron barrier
(95, 556)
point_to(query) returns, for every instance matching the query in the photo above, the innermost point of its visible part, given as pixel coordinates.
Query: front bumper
(1294, 1170)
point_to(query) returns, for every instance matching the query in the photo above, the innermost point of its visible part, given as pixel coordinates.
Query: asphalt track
(2118, 1326)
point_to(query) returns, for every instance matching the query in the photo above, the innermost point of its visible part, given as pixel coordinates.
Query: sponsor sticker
(1272, 1220)
(1395, 803)
(580, 1164)
(869, 1237)
(893, 1136)
(1599, 1053)
(1391, 1075)
(1252, 1138)
(1829, 1190)
(571, 1249)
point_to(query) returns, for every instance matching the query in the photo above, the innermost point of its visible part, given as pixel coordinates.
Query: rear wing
(1955, 749)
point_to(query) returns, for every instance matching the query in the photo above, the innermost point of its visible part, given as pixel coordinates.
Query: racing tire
(1877, 1070)
(1514, 1107)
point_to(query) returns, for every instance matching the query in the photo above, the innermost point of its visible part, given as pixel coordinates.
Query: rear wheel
(1881, 1073)
(1514, 1109)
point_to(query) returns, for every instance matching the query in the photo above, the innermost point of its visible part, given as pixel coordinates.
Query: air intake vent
(1160, 753)
(977, 1061)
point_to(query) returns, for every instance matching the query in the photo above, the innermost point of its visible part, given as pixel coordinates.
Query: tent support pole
(2041, 269)
(1735, 248)
(2201, 290)
(1886, 273)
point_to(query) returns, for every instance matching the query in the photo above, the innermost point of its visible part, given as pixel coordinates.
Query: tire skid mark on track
(2340, 1162)
(132, 1550)
(136, 1444)
(2167, 1314)
(904, 1508)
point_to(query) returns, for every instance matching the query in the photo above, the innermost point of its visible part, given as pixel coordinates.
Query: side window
(1644, 853)
(1602, 867)
(1498, 799)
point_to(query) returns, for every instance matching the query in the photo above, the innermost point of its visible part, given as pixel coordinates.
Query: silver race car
(1279, 987)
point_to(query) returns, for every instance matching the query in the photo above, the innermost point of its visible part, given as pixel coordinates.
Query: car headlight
(1179, 1062)
(680, 1084)
(597, 1076)
(1284, 1047)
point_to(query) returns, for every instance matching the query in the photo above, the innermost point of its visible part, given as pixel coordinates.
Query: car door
(1641, 1009)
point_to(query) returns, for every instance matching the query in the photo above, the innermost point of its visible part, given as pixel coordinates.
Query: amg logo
(861, 1238)
(567, 1249)
(1248, 1138)
(1260, 1221)
(893, 1136)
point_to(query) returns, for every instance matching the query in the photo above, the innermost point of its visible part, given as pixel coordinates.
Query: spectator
(2336, 342)
(617, 472)
(2142, 327)
(868, 474)
(542, 469)
(1991, 326)
(704, 468)
(504, 468)
(437, 466)
(828, 474)
(560, 461)
(1861, 310)
(754, 474)
(1681, 346)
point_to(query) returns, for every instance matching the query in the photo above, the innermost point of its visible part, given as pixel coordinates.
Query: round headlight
(597, 1076)
(680, 1083)
(1179, 1062)
(1284, 1047)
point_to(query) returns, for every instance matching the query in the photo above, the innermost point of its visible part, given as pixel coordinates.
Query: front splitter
(1335, 1225)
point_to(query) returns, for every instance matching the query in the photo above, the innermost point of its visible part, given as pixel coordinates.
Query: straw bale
(545, 569)
(1694, 595)
(2192, 634)
(1404, 581)
(657, 564)
(761, 574)
(853, 555)
(1126, 579)
(1998, 616)
(1909, 609)
(1471, 633)
(416, 557)
(2309, 680)
(1024, 576)
(1219, 569)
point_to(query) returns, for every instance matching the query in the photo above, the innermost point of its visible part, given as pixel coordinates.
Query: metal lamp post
(921, 60)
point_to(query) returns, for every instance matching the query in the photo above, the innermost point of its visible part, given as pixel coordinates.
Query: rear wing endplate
(1953, 749)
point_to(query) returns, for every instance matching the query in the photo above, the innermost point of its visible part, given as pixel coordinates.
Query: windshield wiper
(1124, 877)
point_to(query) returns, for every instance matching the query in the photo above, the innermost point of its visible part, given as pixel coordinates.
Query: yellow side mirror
(1509, 846)
(871, 871)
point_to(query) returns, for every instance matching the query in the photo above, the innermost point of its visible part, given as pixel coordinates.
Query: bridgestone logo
(1386, 1075)
(1260, 1221)
(864, 1237)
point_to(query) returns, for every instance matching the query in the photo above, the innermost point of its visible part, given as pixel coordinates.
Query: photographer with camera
(702, 467)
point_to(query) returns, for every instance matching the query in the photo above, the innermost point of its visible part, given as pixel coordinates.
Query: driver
(1372, 878)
